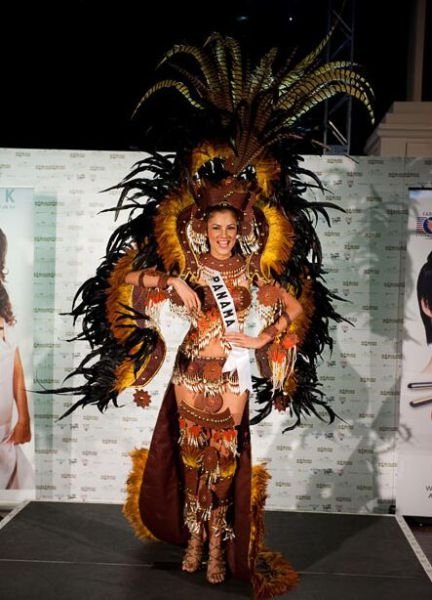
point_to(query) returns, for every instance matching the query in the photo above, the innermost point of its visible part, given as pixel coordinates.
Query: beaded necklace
(232, 269)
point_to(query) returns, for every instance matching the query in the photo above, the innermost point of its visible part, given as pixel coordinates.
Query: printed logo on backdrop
(424, 225)
(7, 198)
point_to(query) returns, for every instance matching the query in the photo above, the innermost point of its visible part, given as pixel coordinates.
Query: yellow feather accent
(277, 576)
(259, 481)
(300, 326)
(228, 470)
(125, 374)
(133, 488)
(165, 224)
(119, 293)
(266, 173)
(207, 151)
(279, 243)
(191, 456)
(204, 61)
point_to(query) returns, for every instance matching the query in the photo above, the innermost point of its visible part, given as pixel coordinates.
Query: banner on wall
(414, 478)
(17, 472)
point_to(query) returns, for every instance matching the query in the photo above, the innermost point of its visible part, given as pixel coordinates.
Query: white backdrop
(350, 466)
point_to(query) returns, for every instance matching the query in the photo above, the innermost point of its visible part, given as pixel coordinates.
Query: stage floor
(65, 551)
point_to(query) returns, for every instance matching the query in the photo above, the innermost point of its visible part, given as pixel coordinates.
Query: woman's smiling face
(222, 233)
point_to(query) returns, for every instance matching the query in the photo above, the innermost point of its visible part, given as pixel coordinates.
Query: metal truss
(338, 111)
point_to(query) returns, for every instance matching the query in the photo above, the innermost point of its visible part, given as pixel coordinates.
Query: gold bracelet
(272, 331)
(141, 279)
(287, 317)
(163, 281)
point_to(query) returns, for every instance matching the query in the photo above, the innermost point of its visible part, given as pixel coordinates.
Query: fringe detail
(279, 244)
(133, 488)
(282, 366)
(249, 243)
(272, 575)
(290, 385)
(165, 227)
(198, 241)
(300, 327)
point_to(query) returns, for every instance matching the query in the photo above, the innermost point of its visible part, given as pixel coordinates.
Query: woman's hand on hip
(241, 340)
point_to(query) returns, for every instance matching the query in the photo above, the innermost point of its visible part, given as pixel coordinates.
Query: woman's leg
(236, 404)
(208, 448)
(191, 443)
(224, 442)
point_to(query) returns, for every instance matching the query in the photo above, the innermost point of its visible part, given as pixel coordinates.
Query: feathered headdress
(249, 163)
(258, 107)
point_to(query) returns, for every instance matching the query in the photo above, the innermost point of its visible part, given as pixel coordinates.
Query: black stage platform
(65, 551)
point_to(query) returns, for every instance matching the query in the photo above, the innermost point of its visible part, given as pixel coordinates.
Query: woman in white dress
(15, 470)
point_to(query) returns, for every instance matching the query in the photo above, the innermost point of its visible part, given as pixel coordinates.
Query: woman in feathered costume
(211, 228)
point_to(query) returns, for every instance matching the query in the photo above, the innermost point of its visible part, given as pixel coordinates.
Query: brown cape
(157, 474)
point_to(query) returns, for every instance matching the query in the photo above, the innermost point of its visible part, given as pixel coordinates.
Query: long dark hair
(424, 292)
(5, 304)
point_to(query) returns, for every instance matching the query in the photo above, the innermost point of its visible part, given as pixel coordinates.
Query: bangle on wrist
(141, 279)
(287, 318)
(271, 330)
(163, 281)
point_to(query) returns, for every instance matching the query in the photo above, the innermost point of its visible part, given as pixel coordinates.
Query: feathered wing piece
(116, 319)
(292, 255)
(256, 115)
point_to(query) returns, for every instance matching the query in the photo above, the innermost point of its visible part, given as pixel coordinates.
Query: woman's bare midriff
(235, 403)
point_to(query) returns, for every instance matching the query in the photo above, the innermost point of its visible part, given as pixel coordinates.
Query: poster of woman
(414, 482)
(17, 473)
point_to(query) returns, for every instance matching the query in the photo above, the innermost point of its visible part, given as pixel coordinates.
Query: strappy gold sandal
(193, 554)
(216, 566)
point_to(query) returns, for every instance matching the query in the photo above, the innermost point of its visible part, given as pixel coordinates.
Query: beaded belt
(222, 420)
